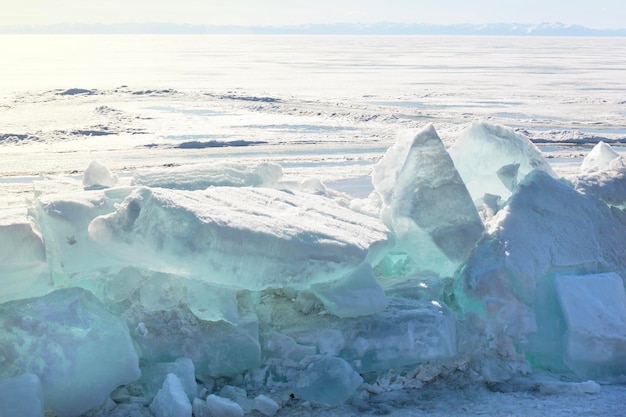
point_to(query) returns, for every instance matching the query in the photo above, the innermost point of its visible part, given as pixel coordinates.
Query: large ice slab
(492, 159)
(79, 350)
(594, 308)
(283, 237)
(426, 204)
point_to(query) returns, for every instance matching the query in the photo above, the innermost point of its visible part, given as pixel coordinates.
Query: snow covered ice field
(275, 215)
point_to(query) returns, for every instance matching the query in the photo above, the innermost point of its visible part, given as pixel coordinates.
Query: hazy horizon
(601, 14)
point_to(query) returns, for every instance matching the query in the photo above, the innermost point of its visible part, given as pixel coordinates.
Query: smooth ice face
(426, 204)
(202, 176)
(21, 396)
(485, 155)
(594, 308)
(356, 294)
(79, 350)
(283, 237)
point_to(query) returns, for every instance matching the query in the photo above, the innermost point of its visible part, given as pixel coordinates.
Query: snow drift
(224, 289)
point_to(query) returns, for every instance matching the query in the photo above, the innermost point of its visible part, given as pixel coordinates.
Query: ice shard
(426, 203)
(484, 152)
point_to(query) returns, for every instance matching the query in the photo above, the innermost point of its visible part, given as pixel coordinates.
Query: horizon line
(339, 28)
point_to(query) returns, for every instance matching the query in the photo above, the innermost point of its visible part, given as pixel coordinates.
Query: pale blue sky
(593, 14)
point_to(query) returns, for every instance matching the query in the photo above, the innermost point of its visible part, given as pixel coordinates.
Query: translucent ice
(67, 338)
(326, 380)
(171, 400)
(486, 154)
(285, 238)
(98, 175)
(153, 375)
(426, 204)
(217, 348)
(594, 308)
(356, 294)
(21, 396)
(408, 332)
(202, 176)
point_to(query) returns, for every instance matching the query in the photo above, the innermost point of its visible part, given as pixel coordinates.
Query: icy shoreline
(235, 283)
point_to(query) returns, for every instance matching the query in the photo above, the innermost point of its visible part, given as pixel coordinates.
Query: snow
(234, 236)
(98, 175)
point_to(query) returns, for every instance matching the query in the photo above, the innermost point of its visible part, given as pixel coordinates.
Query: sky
(597, 14)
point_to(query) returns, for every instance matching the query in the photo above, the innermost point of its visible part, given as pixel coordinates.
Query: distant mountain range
(491, 29)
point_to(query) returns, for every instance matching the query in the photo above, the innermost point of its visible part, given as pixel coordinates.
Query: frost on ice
(228, 289)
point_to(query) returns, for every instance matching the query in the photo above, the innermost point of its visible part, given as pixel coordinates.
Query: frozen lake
(323, 107)
(305, 101)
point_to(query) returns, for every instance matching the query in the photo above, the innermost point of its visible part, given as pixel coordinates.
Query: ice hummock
(426, 204)
(279, 288)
